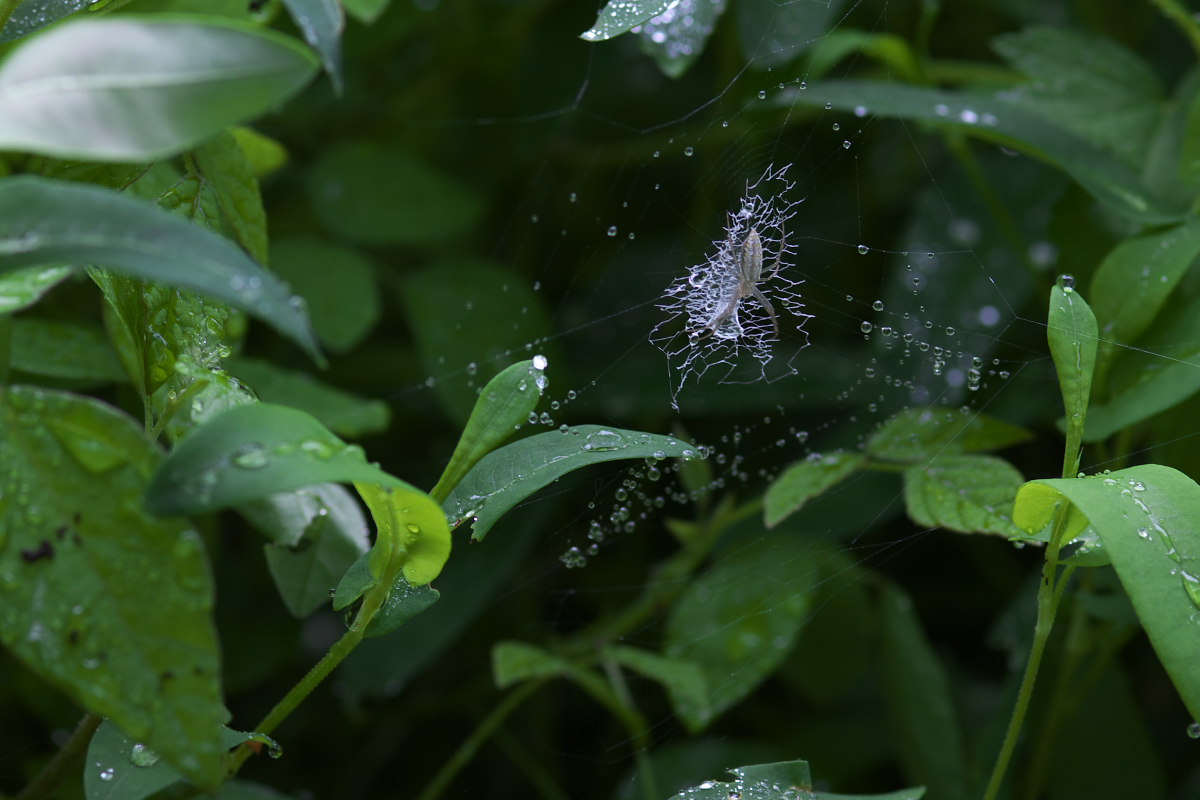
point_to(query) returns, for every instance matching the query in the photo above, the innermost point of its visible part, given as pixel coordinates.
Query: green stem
(341, 648)
(1173, 11)
(64, 762)
(466, 751)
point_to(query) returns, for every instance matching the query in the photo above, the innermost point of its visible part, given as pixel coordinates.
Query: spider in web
(748, 262)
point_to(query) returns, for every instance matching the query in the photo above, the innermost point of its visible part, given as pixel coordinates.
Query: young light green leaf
(1148, 518)
(805, 480)
(338, 284)
(618, 16)
(505, 477)
(1071, 333)
(1001, 120)
(970, 494)
(919, 702)
(503, 406)
(1034, 515)
(738, 621)
(102, 600)
(343, 413)
(224, 165)
(513, 662)
(23, 287)
(63, 350)
(683, 681)
(919, 434)
(48, 222)
(783, 779)
(252, 451)
(322, 23)
(142, 88)
(412, 536)
(1090, 85)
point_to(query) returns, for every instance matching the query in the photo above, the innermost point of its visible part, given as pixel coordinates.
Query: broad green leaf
(341, 412)
(1090, 85)
(366, 11)
(970, 494)
(618, 16)
(283, 518)
(783, 780)
(683, 681)
(49, 222)
(504, 405)
(22, 288)
(63, 350)
(225, 167)
(1135, 279)
(505, 477)
(676, 37)
(305, 572)
(112, 606)
(918, 434)
(738, 621)
(773, 33)
(249, 452)
(919, 702)
(120, 768)
(33, 15)
(803, 481)
(266, 155)
(322, 23)
(382, 196)
(887, 48)
(355, 583)
(338, 284)
(404, 601)
(1148, 518)
(1071, 333)
(513, 662)
(469, 342)
(999, 120)
(411, 532)
(128, 88)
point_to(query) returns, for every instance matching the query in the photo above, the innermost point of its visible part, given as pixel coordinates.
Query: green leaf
(995, 119)
(918, 434)
(504, 405)
(1148, 518)
(343, 413)
(224, 165)
(366, 11)
(33, 15)
(618, 16)
(514, 662)
(121, 768)
(970, 494)
(773, 32)
(404, 601)
(1071, 333)
(322, 23)
(22, 288)
(676, 37)
(1090, 85)
(283, 518)
(920, 708)
(782, 780)
(803, 481)
(338, 285)
(48, 222)
(470, 342)
(110, 605)
(265, 155)
(1034, 515)
(127, 88)
(306, 571)
(683, 680)
(505, 477)
(63, 350)
(252, 451)
(738, 620)
(381, 196)
(412, 535)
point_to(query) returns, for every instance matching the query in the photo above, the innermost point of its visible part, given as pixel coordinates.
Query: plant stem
(64, 761)
(487, 726)
(337, 653)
